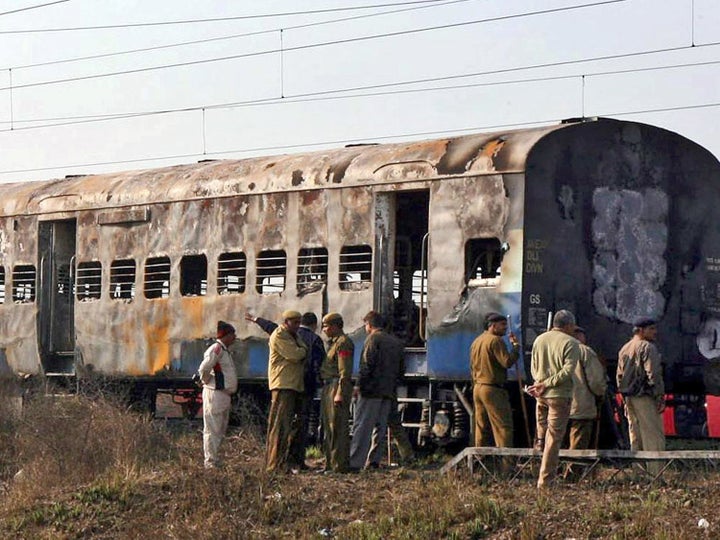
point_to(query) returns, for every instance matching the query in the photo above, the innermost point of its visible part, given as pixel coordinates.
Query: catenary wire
(214, 19)
(328, 94)
(437, 3)
(37, 6)
(355, 140)
(307, 46)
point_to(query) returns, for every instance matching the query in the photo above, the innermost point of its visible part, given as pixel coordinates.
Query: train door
(402, 241)
(56, 320)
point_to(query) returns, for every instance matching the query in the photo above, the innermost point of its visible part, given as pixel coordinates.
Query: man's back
(554, 356)
(381, 365)
(639, 370)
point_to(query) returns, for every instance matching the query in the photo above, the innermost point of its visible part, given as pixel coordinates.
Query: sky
(278, 77)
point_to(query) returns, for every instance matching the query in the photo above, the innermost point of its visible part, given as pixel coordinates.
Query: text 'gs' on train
(126, 274)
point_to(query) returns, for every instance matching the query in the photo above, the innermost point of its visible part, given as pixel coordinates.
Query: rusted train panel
(592, 216)
(312, 202)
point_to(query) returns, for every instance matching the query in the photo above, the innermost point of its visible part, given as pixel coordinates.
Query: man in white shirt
(219, 377)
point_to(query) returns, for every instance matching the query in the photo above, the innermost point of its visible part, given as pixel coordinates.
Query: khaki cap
(290, 314)
(332, 317)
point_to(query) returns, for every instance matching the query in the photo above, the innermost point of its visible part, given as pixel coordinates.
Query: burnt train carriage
(125, 274)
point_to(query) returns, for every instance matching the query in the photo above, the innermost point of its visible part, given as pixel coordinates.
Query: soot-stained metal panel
(620, 225)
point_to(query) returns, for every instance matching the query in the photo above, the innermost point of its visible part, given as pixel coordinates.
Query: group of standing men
(299, 363)
(570, 383)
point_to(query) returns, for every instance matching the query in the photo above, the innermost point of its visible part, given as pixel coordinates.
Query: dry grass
(91, 469)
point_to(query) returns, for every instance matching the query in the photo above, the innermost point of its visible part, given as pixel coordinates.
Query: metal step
(67, 382)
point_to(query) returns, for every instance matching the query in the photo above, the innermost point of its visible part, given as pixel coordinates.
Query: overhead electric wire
(327, 95)
(350, 141)
(437, 3)
(28, 8)
(309, 45)
(213, 19)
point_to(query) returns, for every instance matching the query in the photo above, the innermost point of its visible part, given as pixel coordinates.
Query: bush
(69, 439)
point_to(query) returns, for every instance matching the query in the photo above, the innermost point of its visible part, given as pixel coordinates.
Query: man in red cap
(219, 378)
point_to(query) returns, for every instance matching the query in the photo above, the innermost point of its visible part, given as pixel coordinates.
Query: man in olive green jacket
(286, 368)
(336, 373)
(489, 361)
(589, 386)
(554, 357)
(640, 381)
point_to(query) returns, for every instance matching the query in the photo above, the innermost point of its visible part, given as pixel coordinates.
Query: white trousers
(216, 413)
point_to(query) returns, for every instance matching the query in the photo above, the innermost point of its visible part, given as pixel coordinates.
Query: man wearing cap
(336, 373)
(286, 368)
(489, 362)
(589, 386)
(380, 366)
(554, 357)
(219, 378)
(316, 348)
(640, 382)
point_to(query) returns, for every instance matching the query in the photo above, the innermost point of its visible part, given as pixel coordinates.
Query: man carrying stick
(489, 361)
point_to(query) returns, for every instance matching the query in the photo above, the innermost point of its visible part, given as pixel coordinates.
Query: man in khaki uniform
(589, 386)
(336, 374)
(286, 369)
(640, 381)
(554, 357)
(489, 361)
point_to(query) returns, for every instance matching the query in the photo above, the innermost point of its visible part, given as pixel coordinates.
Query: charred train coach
(126, 274)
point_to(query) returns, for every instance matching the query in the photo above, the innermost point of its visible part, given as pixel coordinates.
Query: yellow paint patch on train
(193, 310)
(157, 340)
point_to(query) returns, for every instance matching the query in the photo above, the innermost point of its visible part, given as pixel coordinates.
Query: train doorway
(56, 318)
(402, 230)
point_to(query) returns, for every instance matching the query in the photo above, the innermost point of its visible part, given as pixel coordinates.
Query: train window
(271, 270)
(122, 279)
(2, 284)
(355, 267)
(231, 273)
(157, 277)
(482, 262)
(23, 284)
(193, 275)
(89, 278)
(312, 268)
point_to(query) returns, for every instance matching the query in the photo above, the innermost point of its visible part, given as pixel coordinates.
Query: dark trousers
(399, 437)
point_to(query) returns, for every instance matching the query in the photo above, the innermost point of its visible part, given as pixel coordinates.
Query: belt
(331, 380)
(491, 384)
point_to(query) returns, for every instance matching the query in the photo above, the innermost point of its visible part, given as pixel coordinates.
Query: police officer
(640, 381)
(286, 367)
(489, 361)
(336, 373)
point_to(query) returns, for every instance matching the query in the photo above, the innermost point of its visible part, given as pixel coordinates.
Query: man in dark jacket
(380, 366)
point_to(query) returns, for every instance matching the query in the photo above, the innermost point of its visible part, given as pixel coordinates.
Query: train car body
(126, 274)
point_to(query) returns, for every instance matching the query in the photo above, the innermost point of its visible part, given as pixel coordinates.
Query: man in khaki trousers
(489, 361)
(554, 357)
(640, 382)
